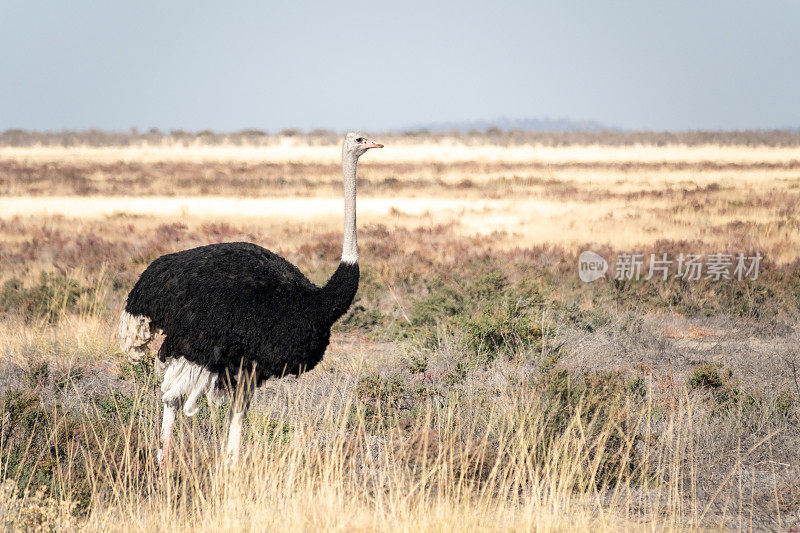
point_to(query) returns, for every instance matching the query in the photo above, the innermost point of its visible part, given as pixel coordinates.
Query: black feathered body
(234, 305)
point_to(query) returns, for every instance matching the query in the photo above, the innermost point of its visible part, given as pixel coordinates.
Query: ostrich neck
(335, 297)
(350, 241)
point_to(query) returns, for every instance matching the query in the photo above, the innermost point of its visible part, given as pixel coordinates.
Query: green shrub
(501, 330)
(389, 391)
(116, 405)
(417, 363)
(386, 402)
(142, 372)
(37, 374)
(52, 296)
(491, 314)
(716, 379)
(442, 302)
(708, 377)
(16, 405)
(786, 404)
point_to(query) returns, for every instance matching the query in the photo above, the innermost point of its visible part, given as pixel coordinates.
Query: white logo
(591, 266)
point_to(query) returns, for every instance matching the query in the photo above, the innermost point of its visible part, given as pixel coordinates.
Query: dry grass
(476, 384)
(325, 470)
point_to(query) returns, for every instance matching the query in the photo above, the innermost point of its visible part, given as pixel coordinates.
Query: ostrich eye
(360, 140)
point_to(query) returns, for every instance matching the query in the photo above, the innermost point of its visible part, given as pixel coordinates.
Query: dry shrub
(36, 512)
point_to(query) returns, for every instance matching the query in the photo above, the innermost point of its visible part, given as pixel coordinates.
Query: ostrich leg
(234, 436)
(235, 432)
(239, 406)
(166, 436)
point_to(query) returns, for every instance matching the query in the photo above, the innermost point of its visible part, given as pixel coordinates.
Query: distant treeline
(16, 137)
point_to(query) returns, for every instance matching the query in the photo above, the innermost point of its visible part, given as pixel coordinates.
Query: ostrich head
(357, 144)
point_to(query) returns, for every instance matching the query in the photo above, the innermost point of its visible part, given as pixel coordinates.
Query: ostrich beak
(373, 144)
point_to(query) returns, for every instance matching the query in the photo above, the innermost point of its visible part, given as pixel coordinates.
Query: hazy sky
(378, 65)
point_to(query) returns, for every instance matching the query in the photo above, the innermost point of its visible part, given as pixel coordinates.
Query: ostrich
(237, 314)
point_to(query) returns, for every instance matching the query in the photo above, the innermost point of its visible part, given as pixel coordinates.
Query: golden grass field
(525, 195)
(477, 383)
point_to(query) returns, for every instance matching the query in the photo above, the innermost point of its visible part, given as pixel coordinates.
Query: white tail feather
(135, 334)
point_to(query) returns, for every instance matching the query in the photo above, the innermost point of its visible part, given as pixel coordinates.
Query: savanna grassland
(475, 384)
